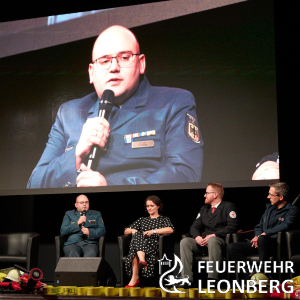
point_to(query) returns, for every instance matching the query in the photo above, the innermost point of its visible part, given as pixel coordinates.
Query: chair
(293, 250)
(19, 248)
(281, 252)
(59, 245)
(165, 246)
(204, 256)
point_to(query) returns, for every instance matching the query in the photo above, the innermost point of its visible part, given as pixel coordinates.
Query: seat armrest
(186, 235)
(101, 244)
(59, 246)
(242, 236)
(123, 243)
(32, 251)
(166, 245)
(293, 245)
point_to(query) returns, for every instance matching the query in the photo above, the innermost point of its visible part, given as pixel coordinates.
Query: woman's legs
(135, 267)
(141, 255)
(135, 271)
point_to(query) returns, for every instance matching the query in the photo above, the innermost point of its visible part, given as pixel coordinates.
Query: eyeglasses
(83, 202)
(123, 59)
(272, 195)
(209, 193)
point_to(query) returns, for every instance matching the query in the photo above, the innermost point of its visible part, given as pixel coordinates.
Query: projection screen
(221, 52)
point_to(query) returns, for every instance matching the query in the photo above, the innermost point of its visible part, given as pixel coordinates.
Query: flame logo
(172, 280)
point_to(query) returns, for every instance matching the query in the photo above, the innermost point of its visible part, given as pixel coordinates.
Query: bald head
(82, 203)
(113, 34)
(123, 81)
(82, 198)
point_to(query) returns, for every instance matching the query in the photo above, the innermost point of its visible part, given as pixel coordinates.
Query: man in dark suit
(215, 220)
(152, 135)
(82, 227)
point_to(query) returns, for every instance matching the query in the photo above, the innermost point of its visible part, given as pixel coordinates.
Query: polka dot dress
(149, 245)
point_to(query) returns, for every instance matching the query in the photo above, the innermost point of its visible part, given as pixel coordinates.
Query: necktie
(213, 210)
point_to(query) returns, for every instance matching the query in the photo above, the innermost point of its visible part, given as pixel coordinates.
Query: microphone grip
(83, 214)
(105, 107)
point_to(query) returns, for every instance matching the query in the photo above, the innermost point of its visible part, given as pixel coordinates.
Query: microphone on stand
(105, 106)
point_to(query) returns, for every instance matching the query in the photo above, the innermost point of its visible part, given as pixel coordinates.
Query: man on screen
(280, 215)
(151, 136)
(82, 228)
(215, 220)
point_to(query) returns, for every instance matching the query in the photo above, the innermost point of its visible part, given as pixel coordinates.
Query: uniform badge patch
(198, 216)
(192, 128)
(232, 214)
(92, 221)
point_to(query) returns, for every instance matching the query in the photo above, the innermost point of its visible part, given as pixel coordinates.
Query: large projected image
(194, 101)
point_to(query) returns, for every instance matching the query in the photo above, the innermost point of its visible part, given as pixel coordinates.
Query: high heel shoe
(142, 265)
(129, 286)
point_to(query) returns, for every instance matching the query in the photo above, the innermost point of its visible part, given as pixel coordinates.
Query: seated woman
(144, 244)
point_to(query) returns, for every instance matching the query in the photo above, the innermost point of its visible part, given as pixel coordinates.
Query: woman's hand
(148, 233)
(133, 231)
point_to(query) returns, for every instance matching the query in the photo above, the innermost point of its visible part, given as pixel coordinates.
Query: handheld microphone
(105, 106)
(84, 214)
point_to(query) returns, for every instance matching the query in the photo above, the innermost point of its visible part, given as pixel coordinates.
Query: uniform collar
(217, 204)
(77, 213)
(138, 99)
(129, 109)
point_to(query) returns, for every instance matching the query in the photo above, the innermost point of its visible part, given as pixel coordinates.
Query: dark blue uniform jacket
(70, 228)
(176, 155)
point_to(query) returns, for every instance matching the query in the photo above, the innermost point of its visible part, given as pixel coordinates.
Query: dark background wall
(43, 213)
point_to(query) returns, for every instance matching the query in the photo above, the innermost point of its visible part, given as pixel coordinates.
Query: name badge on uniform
(142, 144)
(92, 221)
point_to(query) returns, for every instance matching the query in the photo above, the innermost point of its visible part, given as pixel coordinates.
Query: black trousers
(239, 251)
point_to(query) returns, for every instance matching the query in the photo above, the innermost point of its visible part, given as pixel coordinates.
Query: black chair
(165, 246)
(204, 257)
(281, 253)
(19, 248)
(59, 245)
(293, 250)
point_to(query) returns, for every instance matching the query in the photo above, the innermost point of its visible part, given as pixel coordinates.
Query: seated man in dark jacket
(279, 216)
(214, 221)
(82, 227)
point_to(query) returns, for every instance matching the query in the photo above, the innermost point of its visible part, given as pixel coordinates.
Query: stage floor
(61, 297)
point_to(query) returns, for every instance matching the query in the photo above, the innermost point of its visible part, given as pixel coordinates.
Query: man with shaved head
(82, 228)
(151, 136)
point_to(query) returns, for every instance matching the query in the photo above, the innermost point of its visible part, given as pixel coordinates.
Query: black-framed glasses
(123, 59)
(209, 193)
(272, 195)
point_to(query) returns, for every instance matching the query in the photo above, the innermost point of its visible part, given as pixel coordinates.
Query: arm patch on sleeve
(191, 128)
